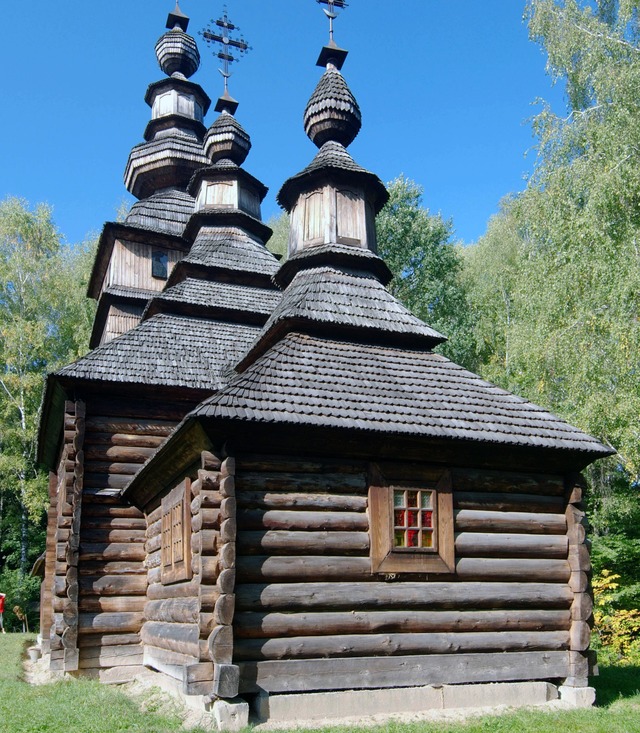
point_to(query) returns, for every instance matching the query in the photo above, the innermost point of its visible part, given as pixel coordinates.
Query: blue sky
(445, 90)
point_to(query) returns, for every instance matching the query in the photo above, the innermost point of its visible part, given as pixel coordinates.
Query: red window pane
(413, 537)
(412, 520)
(412, 498)
(427, 519)
(400, 518)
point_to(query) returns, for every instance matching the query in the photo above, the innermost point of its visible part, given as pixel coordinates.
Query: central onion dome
(332, 112)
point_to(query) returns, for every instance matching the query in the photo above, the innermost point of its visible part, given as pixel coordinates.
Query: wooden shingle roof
(308, 380)
(230, 248)
(167, 211)
(167, 350)
(212, 296)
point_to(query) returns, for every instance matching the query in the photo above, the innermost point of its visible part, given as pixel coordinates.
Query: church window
(159, 264)
(176, 534)
(412, 524)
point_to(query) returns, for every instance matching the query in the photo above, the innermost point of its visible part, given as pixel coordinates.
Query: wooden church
(264, 480)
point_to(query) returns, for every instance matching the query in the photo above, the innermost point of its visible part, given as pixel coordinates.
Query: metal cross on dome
(331, 12)
(226, 43)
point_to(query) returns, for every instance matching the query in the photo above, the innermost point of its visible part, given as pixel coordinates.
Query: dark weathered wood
(113, 468)
(224, 608)
(475, 544)
(508, 502)
(176, 610)
(220, 645)
(303, 520)
(467, 520)
(280, 541)
(120, 426)
(111, 604)
(267, 625)
(117, 623)
(297, 482)
(107, 480)
(182, 638)
(354, 596)
(253, 463)
(98, 641)
(90, 509)
(110, 534)
(158, 591)
(308, 647)
(110, 656)
(123, 440)
(401, 671)
(111, 567)
(300, 567)
(580, 636)
(110, 585)
(504, 481)
(471, 568)
(298, 501)
(113, 551)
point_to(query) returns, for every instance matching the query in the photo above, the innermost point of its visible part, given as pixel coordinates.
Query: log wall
(111, 574)
(310, 614)
(187, 629)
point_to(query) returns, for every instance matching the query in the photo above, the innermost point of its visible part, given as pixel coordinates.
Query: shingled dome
(178, 53)
(227, 140)
(332, 113)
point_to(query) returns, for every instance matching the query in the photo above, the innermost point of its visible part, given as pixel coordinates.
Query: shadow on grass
(615, 683)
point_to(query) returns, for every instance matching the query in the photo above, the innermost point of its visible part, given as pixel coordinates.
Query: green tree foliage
(44, 322)
(556, 279)
(279, 242)
(417, 246)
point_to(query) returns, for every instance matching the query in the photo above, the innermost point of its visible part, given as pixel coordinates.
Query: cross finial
(227, 44)
(331, 12)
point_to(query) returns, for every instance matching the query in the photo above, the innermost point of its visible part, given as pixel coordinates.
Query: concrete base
(231, 715)
(358, 703)
(577, 697)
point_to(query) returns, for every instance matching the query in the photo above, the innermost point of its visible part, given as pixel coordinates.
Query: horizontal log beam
(303, 520)
(298, 482)
(302, 567)
(522, 569)
(352, 645)
(354, 596)
(280, 541)
(299, 501)
(250, 624)
(117, 623)
(476, 544)
(401, 671)
(176, 610)
(491, 501)
(468, 520)
(181, 638)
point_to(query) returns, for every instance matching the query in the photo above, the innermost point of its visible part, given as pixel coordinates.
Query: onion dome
(332, 113)
(227, 140)
(177, 52)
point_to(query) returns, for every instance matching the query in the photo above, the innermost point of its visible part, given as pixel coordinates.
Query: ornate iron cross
(228, 45)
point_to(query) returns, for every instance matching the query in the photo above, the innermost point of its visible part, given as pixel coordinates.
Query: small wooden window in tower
(176, 534)
(159, 264)
(412, 524)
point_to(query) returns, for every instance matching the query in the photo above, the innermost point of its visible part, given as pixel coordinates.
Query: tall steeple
(172, 150)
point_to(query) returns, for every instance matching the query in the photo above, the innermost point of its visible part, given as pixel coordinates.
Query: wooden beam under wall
(305, 675)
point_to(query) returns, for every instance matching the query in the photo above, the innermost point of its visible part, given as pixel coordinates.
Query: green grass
(71, 706)
(84, 706)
